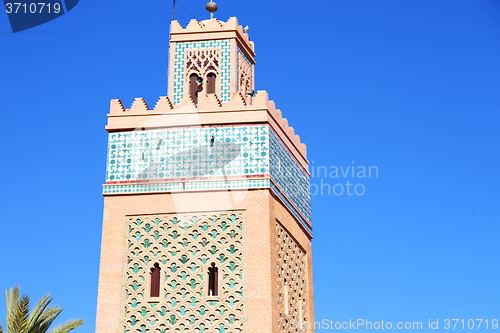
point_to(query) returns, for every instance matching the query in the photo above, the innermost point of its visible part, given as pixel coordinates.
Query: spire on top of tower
(212, 8)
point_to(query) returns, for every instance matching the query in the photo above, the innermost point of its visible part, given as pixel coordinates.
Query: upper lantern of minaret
(210, 57)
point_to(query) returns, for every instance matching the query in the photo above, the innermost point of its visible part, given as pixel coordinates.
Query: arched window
(213, 281)
(211, 83)
(154, 290)
(194, 87)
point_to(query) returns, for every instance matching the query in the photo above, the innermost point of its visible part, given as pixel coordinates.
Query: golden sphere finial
(211, 7)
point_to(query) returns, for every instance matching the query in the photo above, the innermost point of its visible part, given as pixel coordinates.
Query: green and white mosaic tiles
(235, 184)
(186, 153)
(184, 246)
(142, 188)
(179, 67)
(289, 176)
(172, 187)
(166, 159)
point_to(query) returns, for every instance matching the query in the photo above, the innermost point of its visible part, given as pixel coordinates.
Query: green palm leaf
(67, 326)
(20, 320)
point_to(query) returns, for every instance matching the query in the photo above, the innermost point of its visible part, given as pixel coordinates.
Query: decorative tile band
(141, 188)
(171, 157)
(179, 67)
(191, 186)
(291, 207)
(289, 176)
(188, 153)
(235, 184)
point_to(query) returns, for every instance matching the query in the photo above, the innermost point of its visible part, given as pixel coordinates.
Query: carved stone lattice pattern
(245, 74)
(202, 62)
(292, 282)
(184, 246)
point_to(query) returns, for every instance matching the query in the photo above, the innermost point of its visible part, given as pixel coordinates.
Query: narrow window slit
(213, 277)
(155, 281)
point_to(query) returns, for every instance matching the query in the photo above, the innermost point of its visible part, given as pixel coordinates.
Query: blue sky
(411, 87)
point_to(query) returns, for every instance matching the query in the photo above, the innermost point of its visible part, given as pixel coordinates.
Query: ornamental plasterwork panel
(292, 282)
(184, 246)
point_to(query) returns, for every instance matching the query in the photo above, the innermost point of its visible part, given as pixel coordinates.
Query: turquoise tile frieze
(291, 207)
(289, 176)
(223, 44)
(142, 188)
(167, 158)
(187, 153)
(234, 184)
(173, 187)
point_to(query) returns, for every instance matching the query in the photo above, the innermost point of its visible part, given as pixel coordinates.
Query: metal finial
(212, 8)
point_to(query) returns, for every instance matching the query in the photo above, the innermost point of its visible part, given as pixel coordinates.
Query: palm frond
(67, 326)
(17, 311)
(46, 319)
(41, 316)
(20, 320)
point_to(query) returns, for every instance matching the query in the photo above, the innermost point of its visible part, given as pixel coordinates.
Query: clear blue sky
(411, 87)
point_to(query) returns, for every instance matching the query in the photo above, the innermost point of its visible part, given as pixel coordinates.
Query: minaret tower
(207, 207)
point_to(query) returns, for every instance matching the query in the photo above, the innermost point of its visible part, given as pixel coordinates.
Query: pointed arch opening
(194, 87)
(211, 79)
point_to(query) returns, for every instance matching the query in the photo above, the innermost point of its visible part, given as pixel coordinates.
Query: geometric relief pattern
(167, 155)
(179, 68)
(292, 282)
(289, 176)
(202, 61)
(244, 73)
(185, 246)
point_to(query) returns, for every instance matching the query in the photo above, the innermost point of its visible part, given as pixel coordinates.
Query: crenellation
(213, 24)
(303, 149)
(194, 25)
(164, 104)
(277, 115)
(212, 102)
(271, 106)
(297, 140)
(284, 125)
(139, 106)
(186, 102)
(116, 107)
(232, 23)
(175, 26)
(261, 100)
(238, 100)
